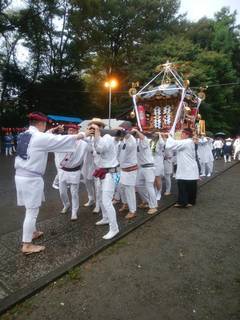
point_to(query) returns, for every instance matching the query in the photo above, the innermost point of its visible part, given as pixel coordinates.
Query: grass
(74, 274)
(24, 307)
(116, 246)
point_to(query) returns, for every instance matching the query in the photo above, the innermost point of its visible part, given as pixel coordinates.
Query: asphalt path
(183, 264)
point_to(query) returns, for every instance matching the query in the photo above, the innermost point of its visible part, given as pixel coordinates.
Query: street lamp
(110, 84)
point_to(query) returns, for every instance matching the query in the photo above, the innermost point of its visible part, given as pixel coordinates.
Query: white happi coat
(72, 160)
(217, 144)
(144, 156)
(168, 161)
(128, 158)
(158, 157)
(107, 149)
(89, 164)
(205, 150)
(29, 172)
(187, 168)
(236, 145)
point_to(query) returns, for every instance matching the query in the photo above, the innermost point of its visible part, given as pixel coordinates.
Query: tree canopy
(73, 46)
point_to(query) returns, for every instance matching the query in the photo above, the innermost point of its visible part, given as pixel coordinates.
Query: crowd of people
(114, 165)
(9, 140)
(9, 143)
(227, 148)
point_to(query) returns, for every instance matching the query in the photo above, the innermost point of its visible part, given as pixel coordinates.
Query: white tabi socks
(158, 194)
(111, 234)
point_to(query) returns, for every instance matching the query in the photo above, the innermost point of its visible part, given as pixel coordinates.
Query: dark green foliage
(75, 45)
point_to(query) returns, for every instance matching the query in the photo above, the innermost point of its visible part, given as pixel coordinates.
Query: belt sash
(72, 169)
(130, 169)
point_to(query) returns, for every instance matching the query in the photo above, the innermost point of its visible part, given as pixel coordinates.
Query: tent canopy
(64, 118)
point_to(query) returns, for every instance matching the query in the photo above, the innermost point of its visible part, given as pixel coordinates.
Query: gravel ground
(182, 265)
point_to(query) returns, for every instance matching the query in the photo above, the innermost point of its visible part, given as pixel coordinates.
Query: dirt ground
(184, 264)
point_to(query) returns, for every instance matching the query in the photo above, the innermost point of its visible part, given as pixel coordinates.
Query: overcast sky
(194, 9)
(197, 9)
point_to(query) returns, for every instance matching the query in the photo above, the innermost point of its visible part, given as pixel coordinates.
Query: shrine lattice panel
(160, 114)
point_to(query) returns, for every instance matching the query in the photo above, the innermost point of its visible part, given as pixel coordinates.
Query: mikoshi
(167, 103)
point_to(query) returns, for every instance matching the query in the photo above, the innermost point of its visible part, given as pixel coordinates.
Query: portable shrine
(166, 103)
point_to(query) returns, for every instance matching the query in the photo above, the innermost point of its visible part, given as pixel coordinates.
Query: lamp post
(110, 84)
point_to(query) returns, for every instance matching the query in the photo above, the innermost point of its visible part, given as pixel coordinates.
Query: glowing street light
(110, 84)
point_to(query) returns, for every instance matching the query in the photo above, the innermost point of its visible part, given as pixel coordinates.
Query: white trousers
(106, 195)
(236, 153)
(168, 182)
(145, 186)
(56, 180)
(148, 194)
(117, 195)
(90, 189)
(8, 151)
(97, 187)
(29, 224)
(206, 167)
(63, 190)
(128, 196)
(227, 158)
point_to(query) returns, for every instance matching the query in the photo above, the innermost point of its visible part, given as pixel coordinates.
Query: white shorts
(145, 175)
(30, 191)
(128, 178)
(73, 177)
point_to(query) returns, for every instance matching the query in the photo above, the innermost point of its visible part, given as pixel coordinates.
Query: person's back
(30, 164)
(187, 169)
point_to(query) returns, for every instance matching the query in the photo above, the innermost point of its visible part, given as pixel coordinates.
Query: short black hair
(188, 131)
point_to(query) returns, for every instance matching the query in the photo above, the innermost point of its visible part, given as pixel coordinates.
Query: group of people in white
(227, 148)
(113, 167)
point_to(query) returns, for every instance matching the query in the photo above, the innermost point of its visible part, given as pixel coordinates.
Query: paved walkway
(68, 244)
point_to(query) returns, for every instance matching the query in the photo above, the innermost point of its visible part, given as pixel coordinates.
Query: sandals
(37, 234)
(32, 249)
(143, 206)
(123, 208)
(177, 205)
(130, 215)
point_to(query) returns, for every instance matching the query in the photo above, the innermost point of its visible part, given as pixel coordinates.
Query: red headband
(37, 117)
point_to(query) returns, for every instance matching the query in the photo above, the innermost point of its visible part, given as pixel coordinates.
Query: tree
(75, 45)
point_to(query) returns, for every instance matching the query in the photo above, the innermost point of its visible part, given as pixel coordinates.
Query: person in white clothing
(57, 159)
(228, 150)
(87, 171)
(69, 173)
(236, 148)
(187, 169)
(168, 170)
(146, 173)
(205, 154)
(218, 145)
(128, 164)
(106, 173)
(91, 162)
(30, 164)
(157, 147)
